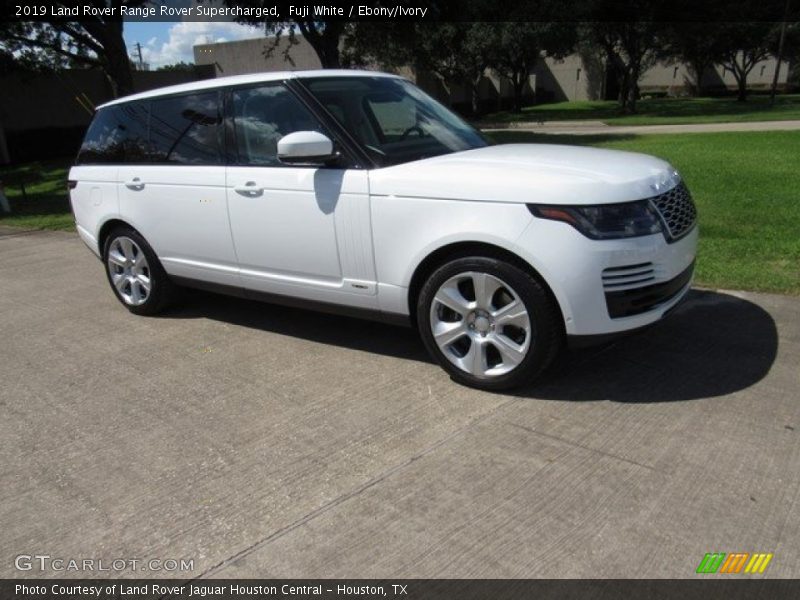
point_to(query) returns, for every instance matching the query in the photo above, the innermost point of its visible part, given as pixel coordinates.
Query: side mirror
(305, 148)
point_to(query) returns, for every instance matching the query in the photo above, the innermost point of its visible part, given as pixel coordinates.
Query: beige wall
(579, 76)
(247, 56)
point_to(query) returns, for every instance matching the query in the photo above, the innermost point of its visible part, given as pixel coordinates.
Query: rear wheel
(136, 276)
(488, 323)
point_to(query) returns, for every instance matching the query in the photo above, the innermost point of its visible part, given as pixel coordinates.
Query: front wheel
(488, 323)
(136, 276)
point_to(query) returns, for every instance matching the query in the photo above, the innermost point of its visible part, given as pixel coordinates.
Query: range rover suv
(354, 191)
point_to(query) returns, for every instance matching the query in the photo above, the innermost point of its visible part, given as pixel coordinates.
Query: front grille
(621, 278)
(677, 210)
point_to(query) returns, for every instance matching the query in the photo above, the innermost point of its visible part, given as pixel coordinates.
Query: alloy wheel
(480, 324)
(129, 271)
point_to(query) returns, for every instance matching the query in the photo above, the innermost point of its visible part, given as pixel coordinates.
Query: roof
(210, 84)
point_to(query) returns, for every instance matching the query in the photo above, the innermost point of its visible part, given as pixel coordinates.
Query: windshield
(393, 120)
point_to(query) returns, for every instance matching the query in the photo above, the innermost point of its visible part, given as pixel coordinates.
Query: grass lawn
(662, 111)
(46, 205)
(746, 185)
(747, 190)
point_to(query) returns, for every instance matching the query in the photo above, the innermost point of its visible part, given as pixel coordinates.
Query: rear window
(185, 129)
(175, 130)
(117, 134)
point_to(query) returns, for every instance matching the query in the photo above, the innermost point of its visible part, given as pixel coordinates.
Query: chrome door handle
(134, 184)
(249, 189)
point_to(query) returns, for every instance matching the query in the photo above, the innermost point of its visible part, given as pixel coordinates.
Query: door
(172, 187)
(298, 231)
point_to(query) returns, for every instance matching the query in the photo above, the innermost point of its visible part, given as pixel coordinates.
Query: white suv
(354, 191)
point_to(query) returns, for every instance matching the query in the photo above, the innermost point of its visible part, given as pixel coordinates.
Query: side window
(185, 129)
(133, 122)
(262, 116)
(393, 115)
(117, 134)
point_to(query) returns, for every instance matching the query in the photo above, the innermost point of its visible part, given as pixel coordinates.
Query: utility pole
(780, 56)
(139, 52)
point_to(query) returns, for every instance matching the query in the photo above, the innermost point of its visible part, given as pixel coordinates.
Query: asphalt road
(273, 442)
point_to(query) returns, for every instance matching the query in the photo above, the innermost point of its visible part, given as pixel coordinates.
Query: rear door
(173, 191)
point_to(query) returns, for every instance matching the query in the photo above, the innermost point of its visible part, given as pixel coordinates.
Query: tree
(324, 35)
(698, 45)
(517, 47)
(95, 41)
(631, 48)
(458, 53)
(745, 45)
(179, 66)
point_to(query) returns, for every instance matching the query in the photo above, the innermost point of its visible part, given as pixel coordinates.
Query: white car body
(356, 237)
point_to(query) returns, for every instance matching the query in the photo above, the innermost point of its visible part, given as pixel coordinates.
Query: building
(577, 77)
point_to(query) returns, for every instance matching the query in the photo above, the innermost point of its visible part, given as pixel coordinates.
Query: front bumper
(609, 286)
(639, 300)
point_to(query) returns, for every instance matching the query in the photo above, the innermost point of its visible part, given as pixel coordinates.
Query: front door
(298, 231)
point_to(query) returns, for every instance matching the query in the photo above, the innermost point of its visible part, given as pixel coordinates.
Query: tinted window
(392, 119)
(133, 121)
(264, 115)
(185, 129)
(117, 134)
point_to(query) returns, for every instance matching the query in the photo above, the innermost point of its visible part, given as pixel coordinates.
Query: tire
(135, 274)
(488, 323)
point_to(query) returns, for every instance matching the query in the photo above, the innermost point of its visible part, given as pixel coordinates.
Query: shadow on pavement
(713, 345)
(334, 330)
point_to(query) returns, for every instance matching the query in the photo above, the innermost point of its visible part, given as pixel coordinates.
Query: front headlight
(604, 221)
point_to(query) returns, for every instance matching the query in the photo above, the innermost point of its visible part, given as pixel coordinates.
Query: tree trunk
(698, 69)
(114, 58)
(624, 90)
(326, 43)
(519, 86)
(118, 67)
(330, 58)
(741, 83)
(475, 96)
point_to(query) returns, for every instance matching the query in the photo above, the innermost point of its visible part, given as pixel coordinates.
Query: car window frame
(220, 136)
(347, 161)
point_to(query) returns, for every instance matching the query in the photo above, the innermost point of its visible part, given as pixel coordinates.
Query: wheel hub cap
(481, 321)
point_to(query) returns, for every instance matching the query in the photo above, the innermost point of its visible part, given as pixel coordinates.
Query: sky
(166, 43)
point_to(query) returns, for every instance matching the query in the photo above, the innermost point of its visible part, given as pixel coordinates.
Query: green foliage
(57, 44)
(745, 186)
(743, 45)
(517, 46)
(695, 44)
(180, 66)
(661, 111)
(45, 204)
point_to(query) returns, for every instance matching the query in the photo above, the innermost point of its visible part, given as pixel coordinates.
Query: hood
(529, 173)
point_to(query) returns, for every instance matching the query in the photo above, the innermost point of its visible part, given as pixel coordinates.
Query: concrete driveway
(262, 441)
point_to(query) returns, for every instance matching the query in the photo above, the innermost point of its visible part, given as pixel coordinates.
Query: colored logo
(735, 562)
